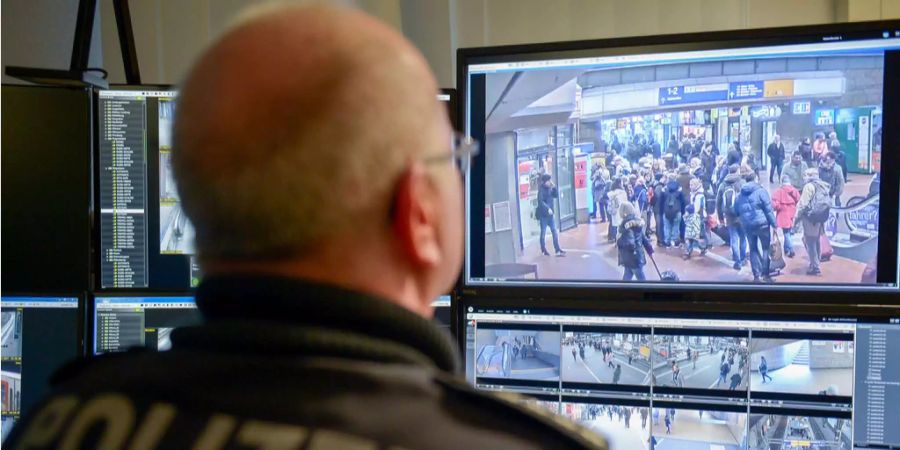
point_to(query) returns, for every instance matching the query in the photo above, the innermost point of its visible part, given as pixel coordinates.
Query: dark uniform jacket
(545, 198)
(633, 244)
(281, 363)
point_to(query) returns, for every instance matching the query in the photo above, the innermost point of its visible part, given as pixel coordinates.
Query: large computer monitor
(695, 380)
(577, 112)
(121, 323)
(40, 334)
(146, 241)
(46, 189)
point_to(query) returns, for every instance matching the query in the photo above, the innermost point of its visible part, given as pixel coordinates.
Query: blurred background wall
(170, 33)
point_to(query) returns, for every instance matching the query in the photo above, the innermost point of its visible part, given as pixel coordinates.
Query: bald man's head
(294, 127)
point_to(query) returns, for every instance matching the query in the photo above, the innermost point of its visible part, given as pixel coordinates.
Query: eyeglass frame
(463, 149)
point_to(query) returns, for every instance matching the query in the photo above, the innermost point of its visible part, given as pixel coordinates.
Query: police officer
(313, 160)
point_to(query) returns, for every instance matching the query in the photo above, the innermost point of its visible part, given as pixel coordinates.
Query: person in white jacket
(617, 196)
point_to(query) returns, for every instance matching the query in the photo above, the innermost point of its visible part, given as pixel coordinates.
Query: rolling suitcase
(722, 232)
(825, 247)
(668, 276)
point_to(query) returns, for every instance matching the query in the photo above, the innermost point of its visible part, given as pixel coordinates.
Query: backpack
(614, 204)
(671, 208)
(820, 205)
(703, 210)
(728, 197)
(710, 203)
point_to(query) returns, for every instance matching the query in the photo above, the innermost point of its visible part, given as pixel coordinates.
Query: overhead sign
(802, 107)
(865, 218)
(745, 90)
(702, 93)
(778, 88)
(824, 117)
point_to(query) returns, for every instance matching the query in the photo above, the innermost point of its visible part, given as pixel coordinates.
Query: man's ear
(416, 217)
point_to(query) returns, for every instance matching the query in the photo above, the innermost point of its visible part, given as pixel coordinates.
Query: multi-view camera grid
(694, 359)
(679, 388)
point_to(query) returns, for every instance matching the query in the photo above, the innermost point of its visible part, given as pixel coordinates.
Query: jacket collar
(308, 311)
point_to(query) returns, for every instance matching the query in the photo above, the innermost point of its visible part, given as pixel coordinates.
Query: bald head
(304, 143)
(295, 125)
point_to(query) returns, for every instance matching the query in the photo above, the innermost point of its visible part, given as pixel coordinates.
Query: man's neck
(374, 279)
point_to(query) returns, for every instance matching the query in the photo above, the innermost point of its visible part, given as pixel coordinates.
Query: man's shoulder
(328, 397)
(517, 407)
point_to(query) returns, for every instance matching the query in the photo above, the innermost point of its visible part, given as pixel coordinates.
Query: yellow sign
(645, 351)
(778, 88)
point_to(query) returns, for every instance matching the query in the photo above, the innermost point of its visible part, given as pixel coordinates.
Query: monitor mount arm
(79, 74)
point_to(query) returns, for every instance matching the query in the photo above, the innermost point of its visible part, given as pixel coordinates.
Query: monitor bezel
(453, 107)
(666, 43)
(706, 310)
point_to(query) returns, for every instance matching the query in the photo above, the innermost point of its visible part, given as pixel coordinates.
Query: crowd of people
(521, 349)
(691, 190)
(668, 418)
(727, 366)
(614, 413)
(605, 347)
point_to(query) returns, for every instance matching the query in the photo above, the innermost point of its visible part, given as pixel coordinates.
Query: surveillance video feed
(622, 426)
(700, 362)
(606, 358)
(517, 354)
(547, 405)
(12, 334)
(795, 432)
(802, 366)
(740, 169)
(176, 234)
(11, 381)
(164, 339)
(7, 426)
(679, 429)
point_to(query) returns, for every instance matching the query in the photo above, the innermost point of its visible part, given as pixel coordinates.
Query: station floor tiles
(618, 436)
(689, 426)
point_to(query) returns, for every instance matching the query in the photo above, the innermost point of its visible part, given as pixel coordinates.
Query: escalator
(853, 229)
(776, 441)
(494, 361)
(826, 439)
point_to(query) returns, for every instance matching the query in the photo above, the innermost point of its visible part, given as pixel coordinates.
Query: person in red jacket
(784, 202)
